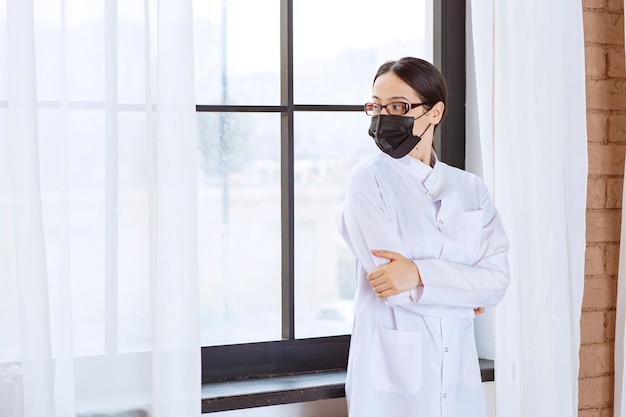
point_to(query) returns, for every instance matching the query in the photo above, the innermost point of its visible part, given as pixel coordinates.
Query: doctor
(430, 252)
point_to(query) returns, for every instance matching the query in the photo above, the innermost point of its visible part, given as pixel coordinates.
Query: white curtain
(619, 406)
(98, 239)
(526, 85)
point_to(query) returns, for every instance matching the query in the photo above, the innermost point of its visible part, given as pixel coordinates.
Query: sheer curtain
(98, 239)
(526, 81)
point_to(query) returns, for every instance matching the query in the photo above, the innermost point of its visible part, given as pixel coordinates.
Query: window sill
(259, 392)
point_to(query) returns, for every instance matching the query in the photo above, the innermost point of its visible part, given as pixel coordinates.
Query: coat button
(440, 221)
(444, 395)
(446, 349)
(430, 195)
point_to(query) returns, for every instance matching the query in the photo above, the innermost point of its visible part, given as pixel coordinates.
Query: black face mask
(394, 134)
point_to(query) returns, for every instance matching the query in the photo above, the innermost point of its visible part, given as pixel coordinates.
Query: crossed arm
(398, 275)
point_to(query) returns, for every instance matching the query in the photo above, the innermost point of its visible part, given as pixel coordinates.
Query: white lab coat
(414, 354)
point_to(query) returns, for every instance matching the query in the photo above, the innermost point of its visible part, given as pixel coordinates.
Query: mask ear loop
(427, 127)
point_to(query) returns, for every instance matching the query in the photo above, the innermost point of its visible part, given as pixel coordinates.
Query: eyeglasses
(394, 109)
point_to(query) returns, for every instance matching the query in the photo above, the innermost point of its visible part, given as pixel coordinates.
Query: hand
(479, 310)
(397, 276)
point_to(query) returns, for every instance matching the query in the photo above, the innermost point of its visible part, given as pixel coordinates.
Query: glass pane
(335, 63)
(49, 49)
(85, 50)
(72, 174)
(131, 52)
(237, 51)
(9, 309)
(239, 227)
(133, 233)
(4, 82)
(86, 172)
(327, 145)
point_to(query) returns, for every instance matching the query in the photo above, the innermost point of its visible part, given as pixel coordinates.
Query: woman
(430, 252)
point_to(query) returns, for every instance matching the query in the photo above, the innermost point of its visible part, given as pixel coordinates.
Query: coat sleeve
(482, 284)
(365, 224)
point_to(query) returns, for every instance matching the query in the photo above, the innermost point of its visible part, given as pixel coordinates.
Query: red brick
(614, 189)
(606, 94)
(611, 259)
(606, 159)
(606, 412)
(590, 412)
(596, 193)
(604, 28)
(615, 5)
(595, 61)
(594, 4)
(595, 392)
(603, 225)
(616, 128)
(594, 260)
(592, 327)
(596, 359)
(599, 294)
(609, 322)
(595, 255)
(597, 126)
(615, 64)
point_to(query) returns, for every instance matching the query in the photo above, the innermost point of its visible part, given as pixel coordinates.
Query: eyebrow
(392, 98)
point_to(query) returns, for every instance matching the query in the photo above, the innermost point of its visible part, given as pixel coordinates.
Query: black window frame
(291, 356)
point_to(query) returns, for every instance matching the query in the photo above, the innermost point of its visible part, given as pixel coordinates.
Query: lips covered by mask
(394, 134)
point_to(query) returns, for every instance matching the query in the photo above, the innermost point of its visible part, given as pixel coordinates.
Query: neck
(423, 149)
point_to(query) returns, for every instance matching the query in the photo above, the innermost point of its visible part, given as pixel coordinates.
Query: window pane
(239, 227)
(4, 86)
(85, 50)
(133, 230)
(72, 167)
(131, 55)
(326, 145)
(9, 325)
(237, 51)
(335, 62)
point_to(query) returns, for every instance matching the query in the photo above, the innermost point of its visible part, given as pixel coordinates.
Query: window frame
(291, 356)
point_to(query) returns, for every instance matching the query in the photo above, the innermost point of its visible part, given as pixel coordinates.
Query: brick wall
(606, 128)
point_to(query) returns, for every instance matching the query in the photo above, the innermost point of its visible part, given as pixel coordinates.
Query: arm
(366, 226)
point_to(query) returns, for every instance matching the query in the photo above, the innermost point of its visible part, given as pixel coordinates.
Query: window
(280, 123)
(280, 86)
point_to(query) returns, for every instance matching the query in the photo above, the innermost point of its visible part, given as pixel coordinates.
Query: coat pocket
(397, 361)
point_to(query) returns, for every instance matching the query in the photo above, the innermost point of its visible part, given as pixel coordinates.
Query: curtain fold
(528, 84)
(99, 305)
(30, 253)
(176, 347)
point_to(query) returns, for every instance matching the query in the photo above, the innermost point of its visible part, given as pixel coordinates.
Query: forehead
(389, 86)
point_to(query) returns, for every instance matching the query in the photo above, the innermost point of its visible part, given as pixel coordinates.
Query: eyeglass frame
(407, 107)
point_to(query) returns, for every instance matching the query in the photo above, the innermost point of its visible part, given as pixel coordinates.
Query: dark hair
(422, 76)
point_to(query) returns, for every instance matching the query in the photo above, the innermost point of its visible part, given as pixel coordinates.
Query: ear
(436, 112)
